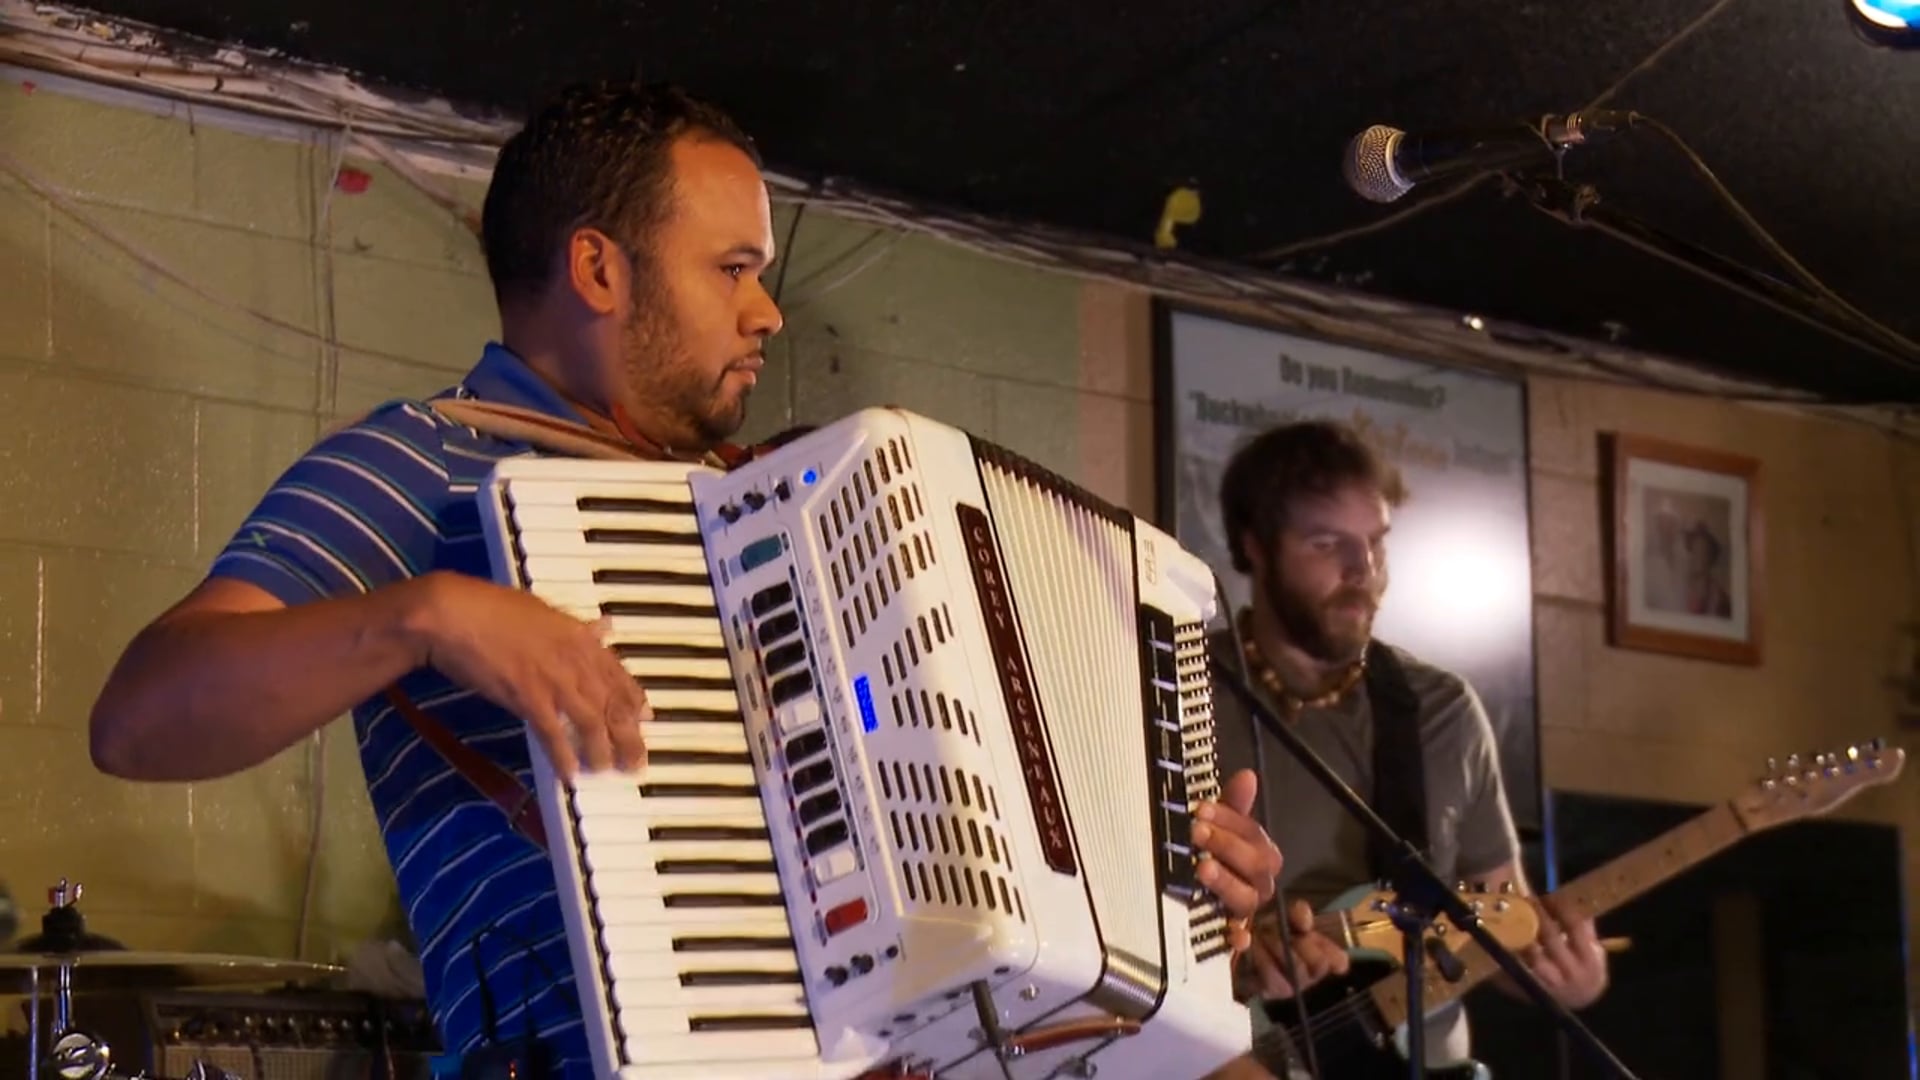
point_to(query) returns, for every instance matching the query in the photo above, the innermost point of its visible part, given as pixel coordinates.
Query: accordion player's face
(698, 316)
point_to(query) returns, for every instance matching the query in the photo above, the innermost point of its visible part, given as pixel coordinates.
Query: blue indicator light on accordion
(869, 720)
(809, 477)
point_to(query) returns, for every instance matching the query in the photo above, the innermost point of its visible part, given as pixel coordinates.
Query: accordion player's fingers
(591, 721)
(555, 733)
(627, 706)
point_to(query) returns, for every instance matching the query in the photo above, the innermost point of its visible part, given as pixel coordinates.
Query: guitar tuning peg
(1876, 745)
(1508, 888)
(1479, 886)
(1793, 762)
(1773, 766)
(1853, 753)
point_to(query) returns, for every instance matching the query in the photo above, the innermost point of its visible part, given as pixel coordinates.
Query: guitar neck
(1590, 895)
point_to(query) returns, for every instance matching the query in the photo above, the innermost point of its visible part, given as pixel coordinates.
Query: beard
(1317, 628)
(702, 411)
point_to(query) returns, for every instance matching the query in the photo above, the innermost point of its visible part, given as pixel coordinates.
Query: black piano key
(749, 1022)
(694, 716)
(641, 536)
(688, 834)
(658, 609)
(730, 943)
(699, 757)
(714, 866)
(699, 791)
(722, 900)
(634, 575)
(658, 681)
(629, 504)
(738, 978)
(663, 650)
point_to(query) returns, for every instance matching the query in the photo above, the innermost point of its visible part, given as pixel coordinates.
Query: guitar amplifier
(290, 1036)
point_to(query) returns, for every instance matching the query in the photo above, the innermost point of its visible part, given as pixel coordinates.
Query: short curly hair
(1311, 457)
(595, 155)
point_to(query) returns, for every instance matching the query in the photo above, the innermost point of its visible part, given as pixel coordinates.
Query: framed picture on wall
(1687, 550)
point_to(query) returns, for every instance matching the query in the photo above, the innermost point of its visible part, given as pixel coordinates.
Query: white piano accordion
(928, 722)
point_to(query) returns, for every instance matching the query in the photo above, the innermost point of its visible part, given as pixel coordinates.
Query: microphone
(1383, 163)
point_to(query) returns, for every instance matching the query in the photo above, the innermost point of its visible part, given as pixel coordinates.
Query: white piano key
(649, 938)
(692, 811)
(662, 481)
(642, 884)
(568, 579)
(720, 737)
(657, 966)
(719, 702)
(730, 920)
(788, 1055)
(641, 667)
(539, 519)
(655, 630)
(723, 702)
(681, 851)
(663, 1006)
(557, 542)
(656, 773)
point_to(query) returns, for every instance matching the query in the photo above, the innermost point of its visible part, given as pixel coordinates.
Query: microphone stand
(1419, 898)
(1581, 207)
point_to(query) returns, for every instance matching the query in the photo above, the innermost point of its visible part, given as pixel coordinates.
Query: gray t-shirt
(1470, 829)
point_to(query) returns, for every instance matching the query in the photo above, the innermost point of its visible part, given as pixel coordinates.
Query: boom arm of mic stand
(1581, 207)
(1413, 876)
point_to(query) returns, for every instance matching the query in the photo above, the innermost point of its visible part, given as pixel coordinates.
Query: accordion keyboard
(683, 950)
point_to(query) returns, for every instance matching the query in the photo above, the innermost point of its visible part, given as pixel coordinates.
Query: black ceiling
(1084, 114)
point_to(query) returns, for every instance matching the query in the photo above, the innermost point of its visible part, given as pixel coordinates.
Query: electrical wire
(435, 134)
(1465, 187)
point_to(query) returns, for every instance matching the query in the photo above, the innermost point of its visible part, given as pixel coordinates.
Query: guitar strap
(1399, 767)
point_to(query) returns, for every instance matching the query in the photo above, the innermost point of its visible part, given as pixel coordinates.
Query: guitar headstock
(1803, 787)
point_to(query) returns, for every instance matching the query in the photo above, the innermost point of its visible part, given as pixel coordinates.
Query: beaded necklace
(1290, 702)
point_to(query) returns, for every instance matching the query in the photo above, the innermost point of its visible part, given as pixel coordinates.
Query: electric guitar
(1356, 1024)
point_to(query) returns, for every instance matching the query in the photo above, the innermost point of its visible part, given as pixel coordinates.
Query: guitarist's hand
(1568, 959)
(1315, 956)
(1246, 865)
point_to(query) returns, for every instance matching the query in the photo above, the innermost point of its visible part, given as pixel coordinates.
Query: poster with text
(1460, 593)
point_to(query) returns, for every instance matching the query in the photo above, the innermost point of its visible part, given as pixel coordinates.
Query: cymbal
(113, 971)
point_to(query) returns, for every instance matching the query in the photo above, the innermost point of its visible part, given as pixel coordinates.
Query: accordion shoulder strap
(553, 435)
(567, 439)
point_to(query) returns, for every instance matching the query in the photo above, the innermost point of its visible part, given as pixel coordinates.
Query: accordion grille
(1070, 568)
(874, 537)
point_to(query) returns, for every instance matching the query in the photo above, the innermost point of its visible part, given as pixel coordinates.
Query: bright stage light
(1894, 23)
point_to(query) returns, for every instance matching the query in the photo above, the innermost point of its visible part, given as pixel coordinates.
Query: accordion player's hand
(547, 667)
(1246, 864)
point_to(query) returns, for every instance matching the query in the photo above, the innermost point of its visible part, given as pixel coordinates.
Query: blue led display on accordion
(863, 693)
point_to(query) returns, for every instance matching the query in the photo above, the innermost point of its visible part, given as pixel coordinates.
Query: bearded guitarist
(1307, 508)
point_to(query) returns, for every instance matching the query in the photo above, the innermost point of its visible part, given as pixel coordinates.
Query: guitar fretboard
(1592, 894)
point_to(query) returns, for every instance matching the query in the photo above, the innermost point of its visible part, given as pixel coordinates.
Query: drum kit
(69, 961)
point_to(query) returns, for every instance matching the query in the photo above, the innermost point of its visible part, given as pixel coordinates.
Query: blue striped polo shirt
(388, 498)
